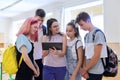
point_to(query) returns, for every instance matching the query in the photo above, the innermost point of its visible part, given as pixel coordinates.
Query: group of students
(70, 63)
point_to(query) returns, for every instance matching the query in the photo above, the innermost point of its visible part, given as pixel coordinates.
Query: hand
(42, 60)
(53, 51)
(35, 73)
(72, 78)
(86, 76)
(38, 70)
(83, 71)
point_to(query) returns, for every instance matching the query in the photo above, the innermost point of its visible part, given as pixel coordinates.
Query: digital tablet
(47, 45)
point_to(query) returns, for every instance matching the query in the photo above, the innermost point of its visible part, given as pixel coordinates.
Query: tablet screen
(47, 45)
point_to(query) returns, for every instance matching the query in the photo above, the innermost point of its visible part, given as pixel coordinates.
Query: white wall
(112, 20)
(56, 8)
(111, 16)
(5, 25)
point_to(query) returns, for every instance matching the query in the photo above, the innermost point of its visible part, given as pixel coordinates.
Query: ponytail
(75, 26)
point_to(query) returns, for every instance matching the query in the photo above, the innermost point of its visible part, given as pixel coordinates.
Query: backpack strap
(44, 30)
(76, 49)
(20, 61)
(102, 59)
(96, 32)
(85, 37)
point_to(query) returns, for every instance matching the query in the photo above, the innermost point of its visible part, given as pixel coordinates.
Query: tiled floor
(113, 78)
(5, 76)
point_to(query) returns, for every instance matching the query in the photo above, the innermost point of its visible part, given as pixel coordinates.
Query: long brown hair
(49, 24)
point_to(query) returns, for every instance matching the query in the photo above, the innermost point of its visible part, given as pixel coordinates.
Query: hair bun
(73, 21)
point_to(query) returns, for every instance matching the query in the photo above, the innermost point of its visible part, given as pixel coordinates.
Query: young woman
(24, 44)
(54, 60)
(74, 52)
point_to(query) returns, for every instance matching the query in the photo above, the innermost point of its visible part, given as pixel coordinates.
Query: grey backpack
(111, 62)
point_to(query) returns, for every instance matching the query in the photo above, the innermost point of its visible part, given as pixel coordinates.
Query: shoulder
(98, 32)
(44, 38)
(79, 42)
(99, 37)
(22, 38)
(64, 36)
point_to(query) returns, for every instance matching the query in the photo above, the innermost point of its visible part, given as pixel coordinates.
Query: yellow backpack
(9, 61)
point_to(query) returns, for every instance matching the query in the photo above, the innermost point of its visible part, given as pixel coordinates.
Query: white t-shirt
(72, 43)
(38, 46)
(98, 39)
(23, 40)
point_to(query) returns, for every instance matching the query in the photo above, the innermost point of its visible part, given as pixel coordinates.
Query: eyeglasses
(55, 26)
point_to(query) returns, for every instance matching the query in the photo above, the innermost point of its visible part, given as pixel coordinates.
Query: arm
(63, 51)
(27, 59)
(94, 59)
(79, 64)
(99, 39)
(84, 59)
(44, 52)
(37, 68)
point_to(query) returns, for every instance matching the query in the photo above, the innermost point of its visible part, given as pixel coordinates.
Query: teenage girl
(74, 52)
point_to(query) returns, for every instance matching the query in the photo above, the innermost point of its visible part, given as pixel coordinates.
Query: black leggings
(40, 65)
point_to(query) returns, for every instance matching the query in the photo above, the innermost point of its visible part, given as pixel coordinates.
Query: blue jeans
(53, 73)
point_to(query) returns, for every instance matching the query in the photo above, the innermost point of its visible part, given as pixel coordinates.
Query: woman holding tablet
(54, 64)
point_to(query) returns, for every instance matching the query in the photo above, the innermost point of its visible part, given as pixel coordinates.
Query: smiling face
(54, 27)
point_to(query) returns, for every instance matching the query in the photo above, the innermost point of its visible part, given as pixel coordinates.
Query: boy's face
(40, 20)
(84, 24)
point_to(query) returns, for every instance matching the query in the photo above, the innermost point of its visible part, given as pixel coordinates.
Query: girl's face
(34, 28)
(70, 31)
(54, 28)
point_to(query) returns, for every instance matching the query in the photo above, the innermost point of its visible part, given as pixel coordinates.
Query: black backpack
(111, 62)
(44, 30)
